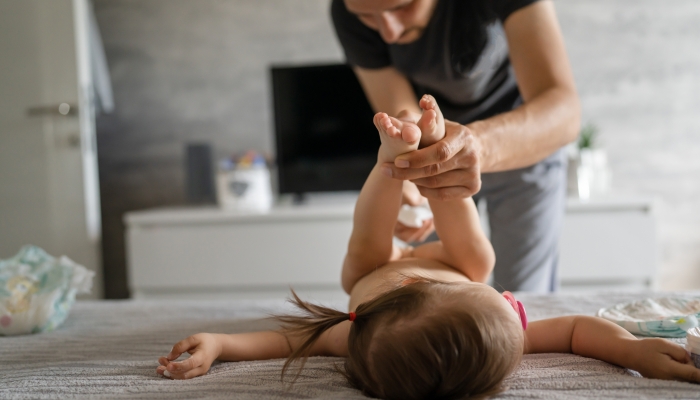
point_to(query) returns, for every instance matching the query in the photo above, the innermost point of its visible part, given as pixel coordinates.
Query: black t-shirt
(461, 58)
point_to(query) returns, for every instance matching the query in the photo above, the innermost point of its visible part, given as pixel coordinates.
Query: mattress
(109, 349)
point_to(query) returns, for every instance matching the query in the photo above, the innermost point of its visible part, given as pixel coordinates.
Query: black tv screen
(325, 137)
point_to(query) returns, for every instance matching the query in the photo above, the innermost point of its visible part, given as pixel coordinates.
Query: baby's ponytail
(309, 326)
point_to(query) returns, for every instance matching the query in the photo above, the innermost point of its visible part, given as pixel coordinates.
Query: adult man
(468, 54)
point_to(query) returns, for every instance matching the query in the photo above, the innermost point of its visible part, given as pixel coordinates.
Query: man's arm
(603, 340)
(550, 115)
(548, 119)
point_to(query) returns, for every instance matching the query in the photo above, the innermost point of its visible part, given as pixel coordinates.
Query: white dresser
(208, 252)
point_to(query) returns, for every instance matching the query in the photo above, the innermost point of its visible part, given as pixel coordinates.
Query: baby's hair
(421, 340)
(311, 326)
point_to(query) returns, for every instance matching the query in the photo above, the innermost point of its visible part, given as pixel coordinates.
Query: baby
(422, 323)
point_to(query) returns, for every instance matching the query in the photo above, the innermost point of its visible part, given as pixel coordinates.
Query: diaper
(37, 291)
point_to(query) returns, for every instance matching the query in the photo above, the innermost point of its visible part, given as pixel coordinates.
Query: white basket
(244, 189)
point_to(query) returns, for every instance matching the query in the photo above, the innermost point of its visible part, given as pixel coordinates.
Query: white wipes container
(693, 345)
(244, 186)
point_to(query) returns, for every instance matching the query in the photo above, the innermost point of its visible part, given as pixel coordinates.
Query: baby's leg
(377, 208)
(462, 244)
(397, 137)
(431, 123)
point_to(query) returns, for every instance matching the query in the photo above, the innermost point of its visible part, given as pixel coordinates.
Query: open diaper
(37, 291)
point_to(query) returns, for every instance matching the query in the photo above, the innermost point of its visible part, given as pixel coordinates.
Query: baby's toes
(428, 102)
(410, 133)
(385, 125)
(405, 131)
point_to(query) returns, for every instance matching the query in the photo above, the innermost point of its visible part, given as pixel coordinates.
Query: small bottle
(693, 345)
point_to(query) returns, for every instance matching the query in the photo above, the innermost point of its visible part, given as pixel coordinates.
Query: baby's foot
(398, 137)
(431, 123)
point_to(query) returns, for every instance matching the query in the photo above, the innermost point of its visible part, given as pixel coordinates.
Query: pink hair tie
(352, 316)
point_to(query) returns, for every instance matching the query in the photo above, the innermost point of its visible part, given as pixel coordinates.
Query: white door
(49, 193)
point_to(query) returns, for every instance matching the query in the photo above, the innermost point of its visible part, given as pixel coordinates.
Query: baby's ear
(409, 281)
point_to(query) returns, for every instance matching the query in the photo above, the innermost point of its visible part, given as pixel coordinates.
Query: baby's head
(431, 339)
(434, 340)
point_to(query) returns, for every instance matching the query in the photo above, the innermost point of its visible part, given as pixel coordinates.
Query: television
(325, 138)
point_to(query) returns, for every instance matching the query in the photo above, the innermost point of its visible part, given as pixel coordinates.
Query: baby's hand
(661, 359)
(204, 349)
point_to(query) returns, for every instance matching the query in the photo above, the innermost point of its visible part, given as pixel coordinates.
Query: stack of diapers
(37, 291)
(664, 317)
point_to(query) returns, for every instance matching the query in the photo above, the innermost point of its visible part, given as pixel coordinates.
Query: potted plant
(592, 172)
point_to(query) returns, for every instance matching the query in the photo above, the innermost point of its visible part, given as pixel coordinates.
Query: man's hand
(662, 359)
(448, 169)
(204, 349)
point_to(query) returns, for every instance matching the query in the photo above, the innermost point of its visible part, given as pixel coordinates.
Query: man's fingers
(433, 154)
(448, 193)
(392, 171)
(416, 173)
(456, 177)
(456, 163)
(163, 361)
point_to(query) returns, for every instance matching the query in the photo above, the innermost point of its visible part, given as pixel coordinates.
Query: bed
(108, 349)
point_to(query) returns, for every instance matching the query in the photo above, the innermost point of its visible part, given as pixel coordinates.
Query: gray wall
(186, 70)
(190, 71)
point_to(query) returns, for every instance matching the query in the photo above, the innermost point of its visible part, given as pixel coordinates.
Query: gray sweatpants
(526, 209)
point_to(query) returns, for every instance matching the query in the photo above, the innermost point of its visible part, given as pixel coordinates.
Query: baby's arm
(205, 348)
(463, 244)
(603, 340)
